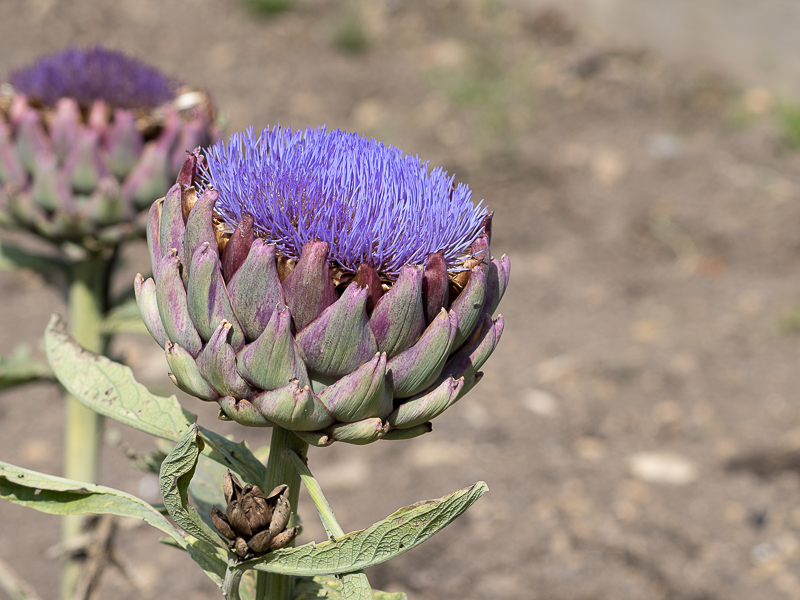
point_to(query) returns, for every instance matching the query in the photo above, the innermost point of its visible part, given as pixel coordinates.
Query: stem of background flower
(280, 469)
(87, 302)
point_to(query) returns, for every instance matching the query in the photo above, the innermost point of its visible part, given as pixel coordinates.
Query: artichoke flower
(89, 138)
(323, 283)
(254, 523)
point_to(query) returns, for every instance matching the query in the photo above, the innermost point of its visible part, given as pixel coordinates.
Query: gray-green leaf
(331, 589)
(59, 496)
(177, 471)
(110, 389)
(397, 533)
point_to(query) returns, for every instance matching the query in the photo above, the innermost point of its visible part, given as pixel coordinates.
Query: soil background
(638, 425)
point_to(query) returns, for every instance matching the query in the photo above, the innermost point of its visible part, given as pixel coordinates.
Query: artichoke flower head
(89, 138)
(322, 282)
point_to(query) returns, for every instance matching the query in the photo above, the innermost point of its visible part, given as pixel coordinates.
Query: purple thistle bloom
(244, 327)
(94, 74)
(369, 202)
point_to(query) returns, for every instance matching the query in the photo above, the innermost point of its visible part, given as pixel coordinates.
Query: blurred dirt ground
(638, 426)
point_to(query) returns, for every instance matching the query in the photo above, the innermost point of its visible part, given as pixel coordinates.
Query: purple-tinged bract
(93, 74)
(369, 202)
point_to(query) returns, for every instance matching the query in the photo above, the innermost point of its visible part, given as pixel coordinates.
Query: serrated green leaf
(59, 496)
(19, 368)
(396, 534)
(177, 471)
(331, 589)
(124, 318)
(13, 257)
(110, 389)
(379, 595)
(355, 586)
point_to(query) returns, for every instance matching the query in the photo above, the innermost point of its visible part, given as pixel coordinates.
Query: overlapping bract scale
(281, 342)
(85, 148)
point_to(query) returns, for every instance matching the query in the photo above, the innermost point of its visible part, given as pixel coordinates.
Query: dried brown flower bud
(254, 523)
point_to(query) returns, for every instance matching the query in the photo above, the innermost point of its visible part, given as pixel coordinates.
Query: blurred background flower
(88, 139)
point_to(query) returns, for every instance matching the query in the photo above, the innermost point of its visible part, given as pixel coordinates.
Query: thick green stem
(230, 587)
(87, 303)
(280, 469)
(355, 586)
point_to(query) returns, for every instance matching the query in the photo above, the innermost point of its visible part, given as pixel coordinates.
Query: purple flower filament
(369, 202)
(94, 74)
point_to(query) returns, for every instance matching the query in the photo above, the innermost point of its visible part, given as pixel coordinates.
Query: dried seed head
(284, 539)
(254, 523)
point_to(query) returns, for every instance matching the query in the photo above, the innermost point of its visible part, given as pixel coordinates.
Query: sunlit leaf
(396, 534)
(177, 470)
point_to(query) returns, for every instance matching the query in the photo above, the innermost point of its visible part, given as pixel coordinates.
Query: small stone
(733, 512)
(647, 330)
(626, 511)
(608, 166)
(540, 402)
(665, 146)
(763, 552)
(590, 448)
(758, 100)
(662, 467)
(668, 412)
